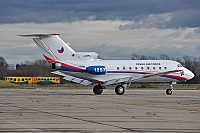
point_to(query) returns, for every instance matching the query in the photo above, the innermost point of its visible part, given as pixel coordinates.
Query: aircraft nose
(190, 74)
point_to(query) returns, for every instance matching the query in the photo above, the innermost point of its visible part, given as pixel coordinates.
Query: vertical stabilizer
(53, 47)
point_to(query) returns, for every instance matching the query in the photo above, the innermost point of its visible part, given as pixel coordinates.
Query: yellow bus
(33, 80)
(48, 80)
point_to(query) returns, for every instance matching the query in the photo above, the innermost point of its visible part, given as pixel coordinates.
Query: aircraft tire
(169, 91)
(119, 90)
(98, 89)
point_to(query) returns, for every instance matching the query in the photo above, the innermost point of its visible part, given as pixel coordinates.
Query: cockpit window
(179, 65)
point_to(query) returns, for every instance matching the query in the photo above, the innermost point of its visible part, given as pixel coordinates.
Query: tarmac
(80, 111)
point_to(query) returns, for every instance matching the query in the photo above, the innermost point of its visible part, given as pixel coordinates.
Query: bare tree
(164, 57)
(3, 66)
(139, 57)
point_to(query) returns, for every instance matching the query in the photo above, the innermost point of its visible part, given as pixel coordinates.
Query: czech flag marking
(60, 50)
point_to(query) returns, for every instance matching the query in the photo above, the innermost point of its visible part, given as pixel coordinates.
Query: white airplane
(86, 68)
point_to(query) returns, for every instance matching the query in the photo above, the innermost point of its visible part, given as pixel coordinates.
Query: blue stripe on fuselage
(70, 69)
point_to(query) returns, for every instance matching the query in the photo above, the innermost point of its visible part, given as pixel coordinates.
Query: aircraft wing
(121, 80)
(72, 79)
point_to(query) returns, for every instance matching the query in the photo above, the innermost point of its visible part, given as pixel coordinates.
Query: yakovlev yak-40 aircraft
(86, 68)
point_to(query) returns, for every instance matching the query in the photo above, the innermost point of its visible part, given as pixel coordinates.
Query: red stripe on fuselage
(118, 71)
(72, 67)
(127, 71)
(49, 59)
(63, 64)
(175, 77)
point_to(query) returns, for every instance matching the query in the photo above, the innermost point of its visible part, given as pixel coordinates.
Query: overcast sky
(113, 28)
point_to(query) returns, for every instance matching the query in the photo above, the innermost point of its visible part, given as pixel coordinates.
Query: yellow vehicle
(47, 80)
(33, 80)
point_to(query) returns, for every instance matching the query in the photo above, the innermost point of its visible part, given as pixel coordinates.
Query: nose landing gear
(170, 89)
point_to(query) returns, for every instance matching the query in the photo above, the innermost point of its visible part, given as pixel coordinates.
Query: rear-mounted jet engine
(96, 70)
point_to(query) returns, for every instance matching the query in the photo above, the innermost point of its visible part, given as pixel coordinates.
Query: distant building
(11, 67)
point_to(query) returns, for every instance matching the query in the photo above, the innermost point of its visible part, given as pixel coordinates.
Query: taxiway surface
(143, 111)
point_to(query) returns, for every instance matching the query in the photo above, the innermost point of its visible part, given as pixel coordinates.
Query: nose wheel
(169, 90)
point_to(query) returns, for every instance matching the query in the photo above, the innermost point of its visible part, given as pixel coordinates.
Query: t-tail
(54, 48)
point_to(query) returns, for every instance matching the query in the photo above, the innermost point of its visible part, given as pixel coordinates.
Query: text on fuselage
(148, 64)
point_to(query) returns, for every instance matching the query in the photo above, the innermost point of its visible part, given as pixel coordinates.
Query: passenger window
(165, 68)
(130, 68)
(142, 68)
(160, 68)
(154, 68)
(135, 68)
(147, 68)
(117, 68)
(124, 68)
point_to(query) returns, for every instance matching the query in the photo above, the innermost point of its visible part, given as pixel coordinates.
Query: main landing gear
(98, 89)
(119, 89)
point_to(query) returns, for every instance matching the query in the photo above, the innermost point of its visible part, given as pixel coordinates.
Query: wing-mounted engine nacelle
(96, 70)
(57, 66)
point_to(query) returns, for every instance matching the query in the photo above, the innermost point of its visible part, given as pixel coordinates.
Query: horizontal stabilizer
(72, 79)
(39, 35)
